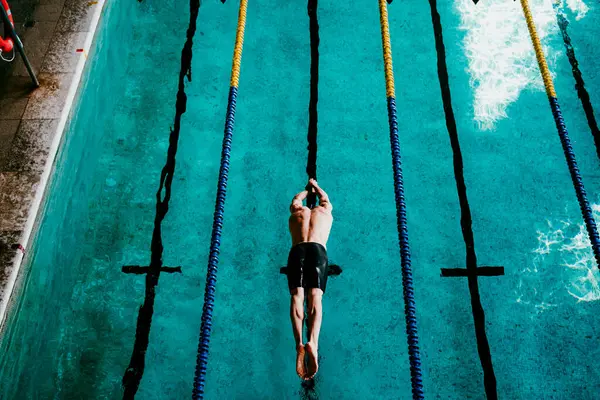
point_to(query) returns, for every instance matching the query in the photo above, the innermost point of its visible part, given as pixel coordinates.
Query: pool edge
(13, 267)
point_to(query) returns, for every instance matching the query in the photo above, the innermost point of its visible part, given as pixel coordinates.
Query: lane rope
(407, 278)
(584, 204)
(215, 242)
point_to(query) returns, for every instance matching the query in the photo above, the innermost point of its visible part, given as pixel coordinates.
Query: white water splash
(565, 245)
(578, 7)
(500, 55)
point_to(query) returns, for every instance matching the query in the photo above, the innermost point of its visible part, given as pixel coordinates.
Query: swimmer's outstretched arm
(323, 198)
(297, 201)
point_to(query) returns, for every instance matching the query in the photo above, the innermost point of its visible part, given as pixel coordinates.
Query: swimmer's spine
(215, 242)
(407, 279)
(584, 204)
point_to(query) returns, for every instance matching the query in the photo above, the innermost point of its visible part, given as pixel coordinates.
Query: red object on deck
(6, 45)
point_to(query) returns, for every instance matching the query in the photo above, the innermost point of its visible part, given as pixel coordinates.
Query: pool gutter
(23, 184)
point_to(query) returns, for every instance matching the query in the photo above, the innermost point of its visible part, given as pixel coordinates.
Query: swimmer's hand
(334, 270)
(310, 188)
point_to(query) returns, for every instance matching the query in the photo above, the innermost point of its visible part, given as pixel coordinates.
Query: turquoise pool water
(71, 333)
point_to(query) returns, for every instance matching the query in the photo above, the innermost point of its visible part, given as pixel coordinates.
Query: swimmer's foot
(300, 354)
(312, 361)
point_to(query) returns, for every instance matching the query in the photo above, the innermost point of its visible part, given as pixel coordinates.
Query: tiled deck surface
(32, 120)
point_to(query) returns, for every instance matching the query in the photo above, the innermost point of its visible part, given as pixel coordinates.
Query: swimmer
(307, 272)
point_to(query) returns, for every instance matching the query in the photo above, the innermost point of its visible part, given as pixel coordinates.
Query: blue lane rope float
(215, 241)
(584, 204)
(407, 279)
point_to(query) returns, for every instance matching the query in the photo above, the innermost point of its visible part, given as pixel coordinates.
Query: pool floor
(71, 333)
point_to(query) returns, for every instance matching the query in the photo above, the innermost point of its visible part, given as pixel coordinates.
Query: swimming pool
(71, 333)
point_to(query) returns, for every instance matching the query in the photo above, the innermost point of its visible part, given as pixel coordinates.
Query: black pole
(8, 27)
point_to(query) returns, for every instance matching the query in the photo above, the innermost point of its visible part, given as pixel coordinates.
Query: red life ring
(6, 45)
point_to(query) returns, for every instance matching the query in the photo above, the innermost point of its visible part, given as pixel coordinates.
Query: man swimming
(307, 272)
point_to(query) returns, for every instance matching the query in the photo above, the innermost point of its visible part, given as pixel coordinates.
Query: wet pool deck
(32, 120)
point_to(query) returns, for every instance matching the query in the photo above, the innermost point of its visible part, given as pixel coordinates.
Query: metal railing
(10, 29)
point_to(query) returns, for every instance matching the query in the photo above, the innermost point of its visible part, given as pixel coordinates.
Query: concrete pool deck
(57, 35)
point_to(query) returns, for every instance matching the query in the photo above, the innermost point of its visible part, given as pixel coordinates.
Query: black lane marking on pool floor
(135, 370)
(311, 164)
(582, 93)
(483, 346)
(308, 389)
(140, 270)
(479, 271)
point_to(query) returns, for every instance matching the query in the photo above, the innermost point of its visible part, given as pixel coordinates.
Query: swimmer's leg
(315, 316)
(297, 317)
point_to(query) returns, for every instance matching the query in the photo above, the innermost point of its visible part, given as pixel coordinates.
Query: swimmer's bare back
(308, 225)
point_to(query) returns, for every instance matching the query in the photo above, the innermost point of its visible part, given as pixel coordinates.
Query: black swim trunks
(307, 266)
